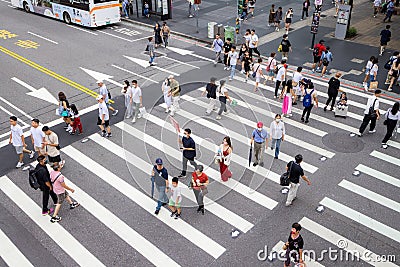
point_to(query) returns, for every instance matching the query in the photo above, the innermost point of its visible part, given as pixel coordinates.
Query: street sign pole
(314, 27)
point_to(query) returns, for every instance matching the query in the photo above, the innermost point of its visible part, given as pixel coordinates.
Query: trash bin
(219, 29)
(229, 33)
(211, 33)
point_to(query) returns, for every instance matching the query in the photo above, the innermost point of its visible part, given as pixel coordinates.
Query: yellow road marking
(50, 73)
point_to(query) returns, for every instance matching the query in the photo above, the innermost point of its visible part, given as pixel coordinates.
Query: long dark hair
(74, 109)
(228, 140)
(62, 96)
(395, 108)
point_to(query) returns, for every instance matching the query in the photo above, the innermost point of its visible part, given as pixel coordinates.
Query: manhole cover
(342, 142)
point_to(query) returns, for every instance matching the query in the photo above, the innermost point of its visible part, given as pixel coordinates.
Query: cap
(200, 168)
(170, 76)
(159, 161)
(35, 120)
(99, 81)
(260, 124)
(99, 97)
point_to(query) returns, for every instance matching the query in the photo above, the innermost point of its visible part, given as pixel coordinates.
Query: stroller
(341, 106)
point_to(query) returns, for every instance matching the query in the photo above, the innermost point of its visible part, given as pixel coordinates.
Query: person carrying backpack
(326, 58)
(309, 99)
(317, 53)
(43, 179)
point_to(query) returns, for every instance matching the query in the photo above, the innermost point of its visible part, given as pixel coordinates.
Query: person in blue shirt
(188, 147)
(389, 12)
(258, 138)
(218, 44)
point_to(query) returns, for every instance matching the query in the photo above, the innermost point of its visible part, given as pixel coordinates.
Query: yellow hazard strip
(50, 73)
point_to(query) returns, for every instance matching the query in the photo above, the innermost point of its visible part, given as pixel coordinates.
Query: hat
(200, 168)
(260, 124)
(99, 81)
(159, 161)
(99, 97)
(170, 76)
(35, 120)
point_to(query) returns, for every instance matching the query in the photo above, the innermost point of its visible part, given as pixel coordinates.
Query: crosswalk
(117, 169)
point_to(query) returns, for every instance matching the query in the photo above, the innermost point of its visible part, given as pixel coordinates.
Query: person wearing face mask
(277, 130)
(43, 179)
(258, 138)
(294, 246)
(223, 157)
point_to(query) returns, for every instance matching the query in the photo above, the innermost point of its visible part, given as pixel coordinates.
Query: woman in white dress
(166, 90)
(127, 92)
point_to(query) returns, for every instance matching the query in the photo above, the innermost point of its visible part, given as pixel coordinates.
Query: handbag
(64, 113)
(371, 110)
(373, 85)
(285, 177)
(143, 111)
(255, 72)
(280, 48)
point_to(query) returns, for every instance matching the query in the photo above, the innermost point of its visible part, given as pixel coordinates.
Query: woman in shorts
(271, 64)
(288, 19)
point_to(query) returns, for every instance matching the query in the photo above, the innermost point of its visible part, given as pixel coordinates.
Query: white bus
(89, 13)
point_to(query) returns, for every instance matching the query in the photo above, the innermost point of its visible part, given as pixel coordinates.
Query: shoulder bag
(285, 177)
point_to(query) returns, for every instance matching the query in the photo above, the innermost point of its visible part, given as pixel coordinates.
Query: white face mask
(277, 120)
(259, 129)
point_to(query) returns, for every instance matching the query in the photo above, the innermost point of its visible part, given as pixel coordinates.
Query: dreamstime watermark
(342, 253)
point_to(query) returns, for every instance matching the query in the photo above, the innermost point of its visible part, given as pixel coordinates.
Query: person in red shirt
(199, 186)
(317, 53)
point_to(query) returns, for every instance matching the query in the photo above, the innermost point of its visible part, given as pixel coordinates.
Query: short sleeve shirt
(218, 44)
(16, 132)
(253, 39)
(103, 91)
(374, 70)
(297, 77)
(257, 68)
(37, 135)
(295, 244)
(175, 193)
(296, 171)
(160, 176)
(370, 102)
(57, 187)
(103, 110)
(136, 94)
(203, 178)
(281, 71)
(258, 136)
(233, 56)
(189, 143)
(52, 138)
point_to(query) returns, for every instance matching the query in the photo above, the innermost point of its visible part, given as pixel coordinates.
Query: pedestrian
(125, 5)
(188, 147)
(389, 12)
(326, 58)
(218, 44)
(277, 133)
(223, 156)
(394, 74)
(317, 53)
(309, 100)
(37, 137)
(43, 179)
(17, 139)
(257, 73)
(60, 189)
(157, 35)
(288, 19)
(389, 66)
(295, 172)
(103, 91)
(245, 12)
(254, 44)
(377, 6)
(294, 247)
(227, 49)
(175, 199)
(252, 6)
(166, 90)
(165, 34)
(233, 57)
(76, 121)
(278, 19)
(223, 96)
(286, 46)
(211, 91)
(392, 117)
(373, 73)
(146, 9)
(175, 94)
(160, 174)
(63, 110)
(367, 69)
(306, 7)
(127, 93)
(199, 185)
(243, 49)
(333, 90)
(280, 71)
(297, 86)
(287, 94)
(52, 146)
(271, 15)
(190, 8)
(248, 61)
(259, 140)
(371, 113)
(271, 65)
(103, 120)
(137, 100)
(385, 34)
(318, 5)
(247, 37)
(150, 49)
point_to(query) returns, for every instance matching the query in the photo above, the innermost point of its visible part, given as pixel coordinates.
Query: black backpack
(315, 51)
(33, 182)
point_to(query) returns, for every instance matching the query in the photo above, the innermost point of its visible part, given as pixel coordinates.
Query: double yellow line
(50, 73)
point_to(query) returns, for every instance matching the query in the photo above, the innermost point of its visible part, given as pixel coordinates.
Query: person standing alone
(188, 147)
(333, 90)
(295, 172)
(258, 138)
(371, 113)
(17, 139)
(294, 246)
(136, 100)
(103, 120)
(211, 91)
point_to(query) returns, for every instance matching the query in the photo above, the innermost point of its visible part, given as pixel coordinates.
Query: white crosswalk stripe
(10, 253)
(385, 157)
(378, 175)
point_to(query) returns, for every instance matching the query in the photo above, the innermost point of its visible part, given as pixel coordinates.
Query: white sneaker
(62, 163)
(384, 146)
(167, 110)
(230, 79)
(218, 118)
(366, 88)
(224, 68)
(19, 164)
(139, 115)
(133, 120)
(69, 128)
(115, 113)
(128, 117)
(242, 71)
(32, 154)
(226, 112)
(373, 131)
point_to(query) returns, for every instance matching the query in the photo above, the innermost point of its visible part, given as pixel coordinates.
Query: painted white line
(385, 157)
(361, 219)
(116, 36)
(186, 230)
(54, 230)
(278, 248)
(142, 38)
(213, 207)
(265, 111)
(181, 62)
(231, 183)
(11, 114)
(44, 38)
(239, 137)
(378, 175)
(145, 64)
(80, 29)
(351, 247)
(131, 72)
(24, 84)
(165, 70)
(9, 252)
(393, 143)
(12, 6)
(250, 123)
(9, 2)
(384, 201)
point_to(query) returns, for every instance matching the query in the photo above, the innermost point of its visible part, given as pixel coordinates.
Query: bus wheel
(67, 18)
(26, 7)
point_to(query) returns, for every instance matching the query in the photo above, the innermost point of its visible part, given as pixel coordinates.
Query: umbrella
(152, 186)
(250, 154)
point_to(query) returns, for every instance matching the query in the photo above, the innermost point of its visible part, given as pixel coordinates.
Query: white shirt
(37, 135)
(390, 116)
(281, 71)
(374, 69)
(247, 38)
(233, 57)
(253, 38)
(369, 65)
(377, 2)
(297, 77)
(16, 132)
(103, 110)
(370, 102)
(136, 94)
(223, 91)
(277, 130)
(176, 192)
(271, 63)
(256, 68)
(103, 91)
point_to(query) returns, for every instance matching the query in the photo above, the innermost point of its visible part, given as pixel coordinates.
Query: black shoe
(177, 216)
(199, 209)
(109, 135)
(182, 176)
(325, 109)
(331, 109)
(163, 204)
(262, 164)
(294, 104)
(173, 213)
(276, 157)
(255, 164)
(55, 219)
(302, 119)
(306, 121)
(103, 134)
(202, 211)
(74, 205)
(157, 212)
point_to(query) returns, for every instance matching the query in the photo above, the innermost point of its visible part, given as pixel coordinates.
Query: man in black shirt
(333, 90)
(188, 150)
(294, 245)
(227, 48)
(211, 91)
(386, 34)
(286, 46)
(160, 176)
(43, 178)
(295, 172)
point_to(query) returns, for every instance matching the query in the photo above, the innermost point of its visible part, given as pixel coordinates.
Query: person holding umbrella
(258, 138)
(159, 177)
